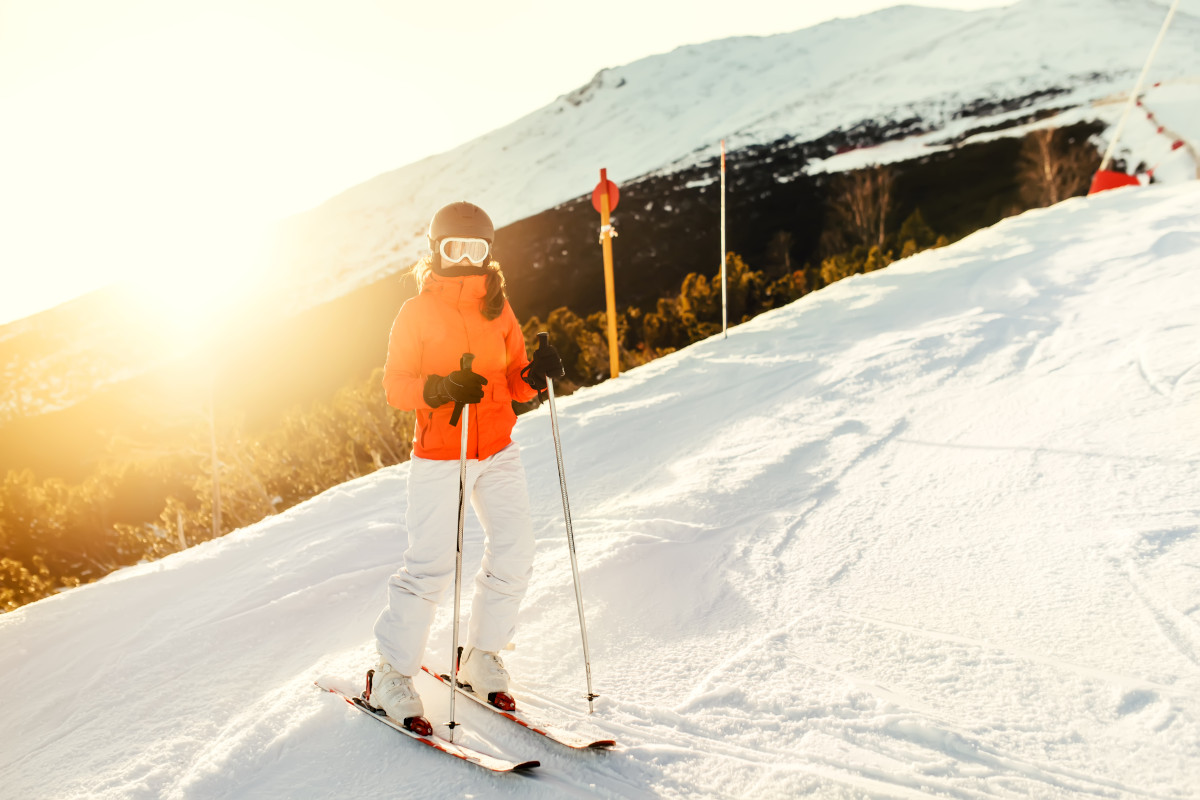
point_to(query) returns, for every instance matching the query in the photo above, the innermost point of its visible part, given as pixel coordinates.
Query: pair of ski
(426, 735)
(477, 757)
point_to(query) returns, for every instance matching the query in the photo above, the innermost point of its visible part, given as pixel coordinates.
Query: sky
(155, 142)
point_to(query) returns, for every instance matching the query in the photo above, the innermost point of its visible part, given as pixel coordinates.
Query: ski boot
(389, 692)
(482, 672)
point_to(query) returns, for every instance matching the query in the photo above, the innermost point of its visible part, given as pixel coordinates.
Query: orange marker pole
(610, 295)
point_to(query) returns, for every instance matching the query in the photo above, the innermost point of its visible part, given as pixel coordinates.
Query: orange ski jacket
(429, 336)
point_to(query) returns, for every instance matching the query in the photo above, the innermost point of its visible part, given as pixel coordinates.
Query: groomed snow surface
(930, 532)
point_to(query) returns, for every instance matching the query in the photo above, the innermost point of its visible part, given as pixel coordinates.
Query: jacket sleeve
(514, 342)
(402, 379)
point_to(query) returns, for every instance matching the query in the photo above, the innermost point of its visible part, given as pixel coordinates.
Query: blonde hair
(493, 301)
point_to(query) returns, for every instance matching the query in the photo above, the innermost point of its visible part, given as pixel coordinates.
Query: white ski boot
(485, 673)
(393, 693)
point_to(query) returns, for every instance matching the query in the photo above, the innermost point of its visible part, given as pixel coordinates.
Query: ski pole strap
(464, 363)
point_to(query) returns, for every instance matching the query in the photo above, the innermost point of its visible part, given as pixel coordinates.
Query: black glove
(545, 364)
(462, 386)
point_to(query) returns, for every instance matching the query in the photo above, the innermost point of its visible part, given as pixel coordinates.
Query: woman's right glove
(461, 386)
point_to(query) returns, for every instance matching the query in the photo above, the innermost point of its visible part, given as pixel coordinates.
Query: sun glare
(191, 292)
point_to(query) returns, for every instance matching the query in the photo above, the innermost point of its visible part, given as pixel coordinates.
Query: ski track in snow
(929, 532)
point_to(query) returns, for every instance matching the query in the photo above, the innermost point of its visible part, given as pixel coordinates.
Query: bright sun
(191, 288)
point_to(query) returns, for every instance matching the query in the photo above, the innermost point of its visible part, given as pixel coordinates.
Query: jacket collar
(456, 291)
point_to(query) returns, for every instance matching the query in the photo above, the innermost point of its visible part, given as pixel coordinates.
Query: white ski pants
(496, 486)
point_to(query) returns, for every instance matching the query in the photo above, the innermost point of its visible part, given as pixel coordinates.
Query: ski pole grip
(543, 343)
(464, 363)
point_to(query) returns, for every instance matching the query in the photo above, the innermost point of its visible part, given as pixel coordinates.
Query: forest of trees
(53, 534)
(56, 535)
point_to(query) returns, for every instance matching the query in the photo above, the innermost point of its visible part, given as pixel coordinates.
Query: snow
(670, 111)
(932, 531)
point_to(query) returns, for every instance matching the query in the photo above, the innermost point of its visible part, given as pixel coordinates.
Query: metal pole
(1137, 90)
(562, 479)
(467, 358)
(724, 321)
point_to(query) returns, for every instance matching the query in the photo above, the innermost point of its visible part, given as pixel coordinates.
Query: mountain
(931, 531)
(902, 70)
(943, 93)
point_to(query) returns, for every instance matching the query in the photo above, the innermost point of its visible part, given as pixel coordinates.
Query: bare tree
(860, 202)
(1053, 166)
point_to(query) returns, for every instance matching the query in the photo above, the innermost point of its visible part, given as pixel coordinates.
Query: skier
(461, 308)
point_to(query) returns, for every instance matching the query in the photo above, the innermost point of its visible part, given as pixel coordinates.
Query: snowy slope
(929, 532)
(667, 111)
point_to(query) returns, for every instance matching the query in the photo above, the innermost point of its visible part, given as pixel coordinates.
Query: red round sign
(613, 195)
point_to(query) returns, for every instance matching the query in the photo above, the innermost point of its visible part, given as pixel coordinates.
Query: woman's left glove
(545, 364)
(463, 386)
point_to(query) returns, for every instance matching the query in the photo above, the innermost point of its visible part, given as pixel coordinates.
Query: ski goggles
(454, 249)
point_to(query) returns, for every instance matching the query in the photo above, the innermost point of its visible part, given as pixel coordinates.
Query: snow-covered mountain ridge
(933, 68)
(927, 532)
(926, 79)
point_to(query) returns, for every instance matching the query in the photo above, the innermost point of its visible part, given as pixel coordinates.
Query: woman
(461, 308)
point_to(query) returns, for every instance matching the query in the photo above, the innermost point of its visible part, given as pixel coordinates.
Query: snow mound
(928, 532)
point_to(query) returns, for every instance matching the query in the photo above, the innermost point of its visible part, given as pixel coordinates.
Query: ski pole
(459, 408)
(544, 341)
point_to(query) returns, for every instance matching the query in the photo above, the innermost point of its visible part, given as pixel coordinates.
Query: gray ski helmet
(460, 219)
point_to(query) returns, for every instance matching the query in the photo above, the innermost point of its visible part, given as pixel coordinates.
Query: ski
(476, 757)
(572, 740)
